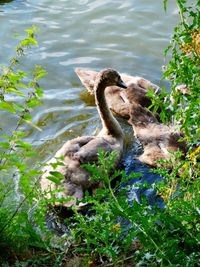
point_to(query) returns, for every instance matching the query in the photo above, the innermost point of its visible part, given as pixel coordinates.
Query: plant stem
(133, 222)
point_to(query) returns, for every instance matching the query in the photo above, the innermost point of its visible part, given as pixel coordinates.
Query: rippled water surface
(129, 36)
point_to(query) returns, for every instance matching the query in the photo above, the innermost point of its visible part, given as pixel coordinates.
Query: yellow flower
(195, 154)
(194, 45)
(116, 227)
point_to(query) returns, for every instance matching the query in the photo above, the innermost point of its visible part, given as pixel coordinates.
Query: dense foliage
(18, 180)
(114, 231)
(181, 105)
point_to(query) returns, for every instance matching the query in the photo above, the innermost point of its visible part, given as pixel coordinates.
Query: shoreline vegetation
(112, 232)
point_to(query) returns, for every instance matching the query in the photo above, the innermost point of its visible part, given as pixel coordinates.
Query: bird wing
(89, 152)
(74, 145)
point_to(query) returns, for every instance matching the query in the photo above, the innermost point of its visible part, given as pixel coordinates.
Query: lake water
(129, 36)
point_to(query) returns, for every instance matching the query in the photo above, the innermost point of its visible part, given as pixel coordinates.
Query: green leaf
(4, 144)
(57, 174)
(19, 134)
(58, 163)
(24, 145)
(22, 85)
(14, 90)
(33, 41)
(39, 92)
(28, 42)
(165, 5)
(7, 106)
(31, 31)
(33, 102)
(38, 72)
(54, 179)
(18, 107)
(27, 116)
(34, 173)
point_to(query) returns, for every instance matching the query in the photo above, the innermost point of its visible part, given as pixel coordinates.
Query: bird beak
(121, 84)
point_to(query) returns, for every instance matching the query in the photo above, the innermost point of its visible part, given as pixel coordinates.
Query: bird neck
(109, 123)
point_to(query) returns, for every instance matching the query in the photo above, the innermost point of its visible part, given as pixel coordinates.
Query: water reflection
(2, 2)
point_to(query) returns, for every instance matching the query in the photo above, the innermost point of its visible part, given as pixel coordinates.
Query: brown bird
(119, 100)
(85, 149)
(158, 140)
